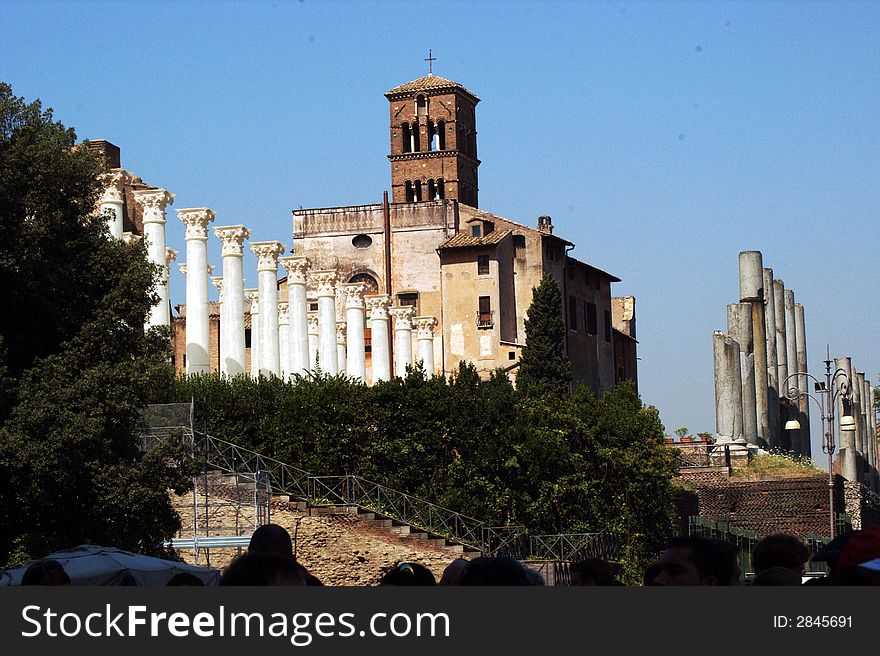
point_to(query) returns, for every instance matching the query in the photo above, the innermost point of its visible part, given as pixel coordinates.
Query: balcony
(486, 319)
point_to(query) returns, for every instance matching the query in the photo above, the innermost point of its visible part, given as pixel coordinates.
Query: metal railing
(572, 547)
(692, 456)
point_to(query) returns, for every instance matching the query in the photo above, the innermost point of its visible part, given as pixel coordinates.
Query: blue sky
(662, 138)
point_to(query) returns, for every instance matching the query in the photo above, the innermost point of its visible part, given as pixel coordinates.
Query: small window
(441, 192)
(410, 194)
(417, 187)
(410, 298)
(406, 138)
(247, 338)
(362, 241)
(607, 326)
(313, 306)
(484, 314)
(519, 242)
(511, 355)
(572, 313)
(592, 324)
(475, 230)
(441, 134)
(482, 265)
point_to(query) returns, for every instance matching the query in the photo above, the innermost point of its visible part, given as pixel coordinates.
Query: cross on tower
(430, 61)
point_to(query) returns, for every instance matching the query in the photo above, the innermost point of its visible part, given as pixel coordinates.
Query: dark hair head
(185, 578)
(500, 570)
(780, 550)
(777, 576)
(408, 574)
(263, 568)
(45, 572)
(711, 558)
(271, 538)
(592, 571)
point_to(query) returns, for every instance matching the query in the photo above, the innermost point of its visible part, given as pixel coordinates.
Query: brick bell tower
(433, 141)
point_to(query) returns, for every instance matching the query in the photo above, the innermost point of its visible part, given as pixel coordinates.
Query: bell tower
(433, 141)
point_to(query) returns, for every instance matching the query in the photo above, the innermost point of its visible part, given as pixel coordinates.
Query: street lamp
(834, 386)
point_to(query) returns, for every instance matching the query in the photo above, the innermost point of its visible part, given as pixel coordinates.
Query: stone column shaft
(781, 356)
(739, 326)
(325, 282)
(858, 380)
(403, 355)
(341, 330)
(356, 363)
(800, 331)
(425, 338)
(751, 291)
(253, 296)
(165, 290)
(113, 199)
(267, 253)
(298, 308)
(232, 238)
(379, 347)
(314, 345)
(846, 439)
(728, 389)
(197, 321)
(154, 202)
(283, 340)
(791, 365)
(773, 390)
(217, 281)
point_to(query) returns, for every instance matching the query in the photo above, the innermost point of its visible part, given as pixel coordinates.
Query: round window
(362, 241)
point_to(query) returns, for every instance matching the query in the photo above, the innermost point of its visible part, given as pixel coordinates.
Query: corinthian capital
(283, 314)
(196, 220)
(130, 238)
(341, 330)
(153, 202)
(297, 269)
(402, 316)
(232, 238)
(217, 281)
(354, 294)
(253, 295)
(324, 281)
(114, 185)
(170, 254)
(425, 327)
(378, 305)
(312, 320)
(267, 253)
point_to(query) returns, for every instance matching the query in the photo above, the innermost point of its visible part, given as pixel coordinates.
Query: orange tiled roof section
(464, 240)
(428, 83)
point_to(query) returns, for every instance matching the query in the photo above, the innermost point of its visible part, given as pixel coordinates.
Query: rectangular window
(411, 299)
(592, 324)
(475, 231)
(607, 326)
(484, 315)
(247, 338)
(572, 313)
(482, 265)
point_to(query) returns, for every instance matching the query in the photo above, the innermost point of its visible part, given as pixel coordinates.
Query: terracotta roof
(464, 240)
(428, 83)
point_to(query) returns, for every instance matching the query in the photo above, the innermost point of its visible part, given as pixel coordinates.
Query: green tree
(544, 366)
(75, 363)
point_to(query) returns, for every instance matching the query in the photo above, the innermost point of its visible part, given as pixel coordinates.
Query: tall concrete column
(325, 283)
(113, 199)
(232, 238)
(728, 389)
(800, 331)
(314, 342)
(198, 338)
(791, 365)
(253, 295)
(283, 340)
(425, 338)
(217, 281)
(403, 355)
(356, 362)
(341, 330)
(739, 326)
(298, 308)
(773, 391)
(751, 291)
(379, 348)
(154, 202)
(267, 253)
(846, 439)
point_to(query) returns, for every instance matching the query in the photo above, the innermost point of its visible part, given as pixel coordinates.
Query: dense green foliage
(565, 463)
(544, 367)
(75, 362)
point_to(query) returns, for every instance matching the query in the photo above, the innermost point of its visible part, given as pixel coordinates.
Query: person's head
(271, 538)
(452, 573)
(408, 574)
(592, 571)
(696, 561)
(45, 572)
(780, 550)
(185, 578)
(488, 570)
(650, 574)
(263, 568)
(777, 576)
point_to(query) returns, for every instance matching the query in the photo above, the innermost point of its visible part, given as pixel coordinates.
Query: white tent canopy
(90, 564)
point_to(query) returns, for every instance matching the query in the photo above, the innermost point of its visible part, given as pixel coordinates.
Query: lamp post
(835, 385)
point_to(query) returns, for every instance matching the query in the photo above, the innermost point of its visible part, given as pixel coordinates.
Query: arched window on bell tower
(410, 194)
(432, 136)
(432, 190)
(406, 137)
(416, 146)
(441, 189)
(421, 106)
(417, 188)
(441, 135)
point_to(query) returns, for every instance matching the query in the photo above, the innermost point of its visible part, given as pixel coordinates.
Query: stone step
(453, 548)
(367, 515)
(437, 542)
(281, 498)
(383, 522)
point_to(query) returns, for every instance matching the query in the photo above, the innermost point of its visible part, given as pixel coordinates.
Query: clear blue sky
(662, 138)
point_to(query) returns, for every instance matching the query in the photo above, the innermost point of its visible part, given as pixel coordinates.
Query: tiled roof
(464, 240)
(428, 83)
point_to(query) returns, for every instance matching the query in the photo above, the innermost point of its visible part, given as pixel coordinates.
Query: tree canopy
(75, 362)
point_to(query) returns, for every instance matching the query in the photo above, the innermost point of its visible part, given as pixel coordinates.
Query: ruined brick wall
(862, 505)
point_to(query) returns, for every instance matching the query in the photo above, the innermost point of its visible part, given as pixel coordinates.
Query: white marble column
(728, 389)
(217, 281)
(356, 356)
(198, 338)
(113, 199)
(325, 283)
(284, 340)
(379, 348)
(314, 345)
(298, 308)
(425, 337)
(232, 238)
(341, 330)
(403, 355)
(253, 295)
(267, 253)
(153, 202)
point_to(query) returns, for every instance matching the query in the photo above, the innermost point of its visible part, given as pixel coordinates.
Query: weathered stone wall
(862, 505)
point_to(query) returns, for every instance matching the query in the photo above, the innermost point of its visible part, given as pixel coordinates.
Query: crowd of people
(853, 558)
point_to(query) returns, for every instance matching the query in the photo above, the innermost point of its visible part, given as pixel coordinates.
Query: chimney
(545, 224)
(107, 150)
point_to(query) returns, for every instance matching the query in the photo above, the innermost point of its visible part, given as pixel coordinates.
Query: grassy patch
(773, 464)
